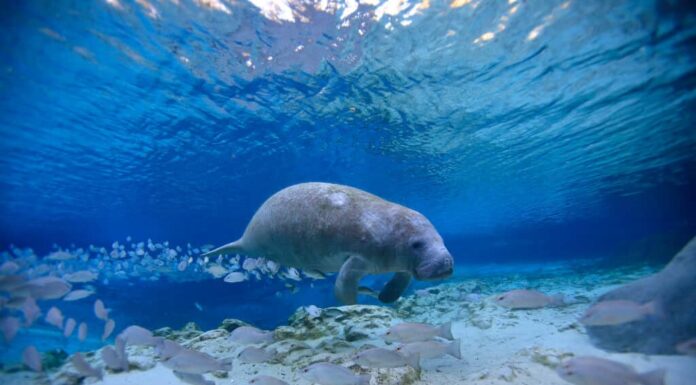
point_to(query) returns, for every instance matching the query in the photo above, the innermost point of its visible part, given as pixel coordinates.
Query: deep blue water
(525, 131)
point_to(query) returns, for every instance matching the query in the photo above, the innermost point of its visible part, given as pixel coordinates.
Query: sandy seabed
(498, 345)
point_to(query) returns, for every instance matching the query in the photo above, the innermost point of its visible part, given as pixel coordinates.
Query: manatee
(328, 228)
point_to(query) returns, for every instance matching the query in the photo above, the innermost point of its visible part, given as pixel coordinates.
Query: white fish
(69, 327)
(325, 373)
(195, 362)
(166, 349)
(46, 288)
(254, 355)
(217, 271)
(11, 283)
(314, 274)
(182, 265)
(82, 332)
(54, 317)
(599, 371)
(249, 264)
(137, 335)
(293, 274)
(108, 329)
(100, 311)
(9, 327)
(313, 311)
(198, 306)
(266, 380)
(246, 335)
(193, 379)
(273, 267)
(112, 360)
(687, 347)
(616, 312)
(60, 256)
(77, 295)
(81, 276)
(84, 368)
(432, 349)
(412, 332)
(527, 299)
(31, 311)
(383, 358)
(235, 276)
(32, 358)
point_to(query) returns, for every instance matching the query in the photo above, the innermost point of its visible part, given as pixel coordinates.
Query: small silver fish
(378, 358)
(81, 276)
(247, 335)
(82, 332)
(137, 335)
(69, 327)
(54, 317)
(266, 380)
(325, 373)
(195, 362)
(432, 349)
(112, 359)
(193, 379)
(77, 295)
(31, 311)
(100, 310)
(527, 299)
(412, 332)
(45, 288)
(32, 358)
(254, 355)
(235, 277)
(84, 368)
(108, 329)
(616, 312)
(599, 371)
(167, 349)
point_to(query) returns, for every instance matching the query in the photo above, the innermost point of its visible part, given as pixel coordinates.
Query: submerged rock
(352, 323)
(674, 290)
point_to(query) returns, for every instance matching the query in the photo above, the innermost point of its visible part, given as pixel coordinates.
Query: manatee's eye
(305, 370)
(417, 245)
(502, 297)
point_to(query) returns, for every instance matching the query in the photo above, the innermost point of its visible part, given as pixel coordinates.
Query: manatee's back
(311, 225)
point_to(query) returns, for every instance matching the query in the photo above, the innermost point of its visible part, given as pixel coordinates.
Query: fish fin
(653, 377)
(446, 331)
(365, 379)
(364, 290)
(346, 286)
(413, 360)
(395, 287)
(454, 349)
(233, 247)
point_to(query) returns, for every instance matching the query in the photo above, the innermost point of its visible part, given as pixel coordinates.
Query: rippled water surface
(176, 119)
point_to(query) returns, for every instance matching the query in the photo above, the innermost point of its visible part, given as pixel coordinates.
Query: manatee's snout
(437, 265)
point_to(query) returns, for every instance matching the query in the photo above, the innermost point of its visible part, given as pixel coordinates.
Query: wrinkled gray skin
(674, 291)
(333, 228)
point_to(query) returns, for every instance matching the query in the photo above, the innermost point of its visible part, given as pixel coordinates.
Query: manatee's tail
(234, 247)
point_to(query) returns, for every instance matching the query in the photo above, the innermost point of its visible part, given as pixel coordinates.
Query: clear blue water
(525, 131)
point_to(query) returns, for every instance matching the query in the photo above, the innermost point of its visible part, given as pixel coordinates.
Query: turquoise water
(135, 135)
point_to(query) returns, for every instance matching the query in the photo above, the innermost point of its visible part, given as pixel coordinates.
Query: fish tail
(653, 377)
(454, 349)
(446, 331)
(365, 380)
(233, 247)
(557, 300)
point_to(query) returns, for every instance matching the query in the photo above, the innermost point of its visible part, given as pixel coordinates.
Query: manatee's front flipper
(395, 287)
(346, 288)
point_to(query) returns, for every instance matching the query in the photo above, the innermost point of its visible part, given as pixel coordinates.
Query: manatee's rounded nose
(446, 268)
